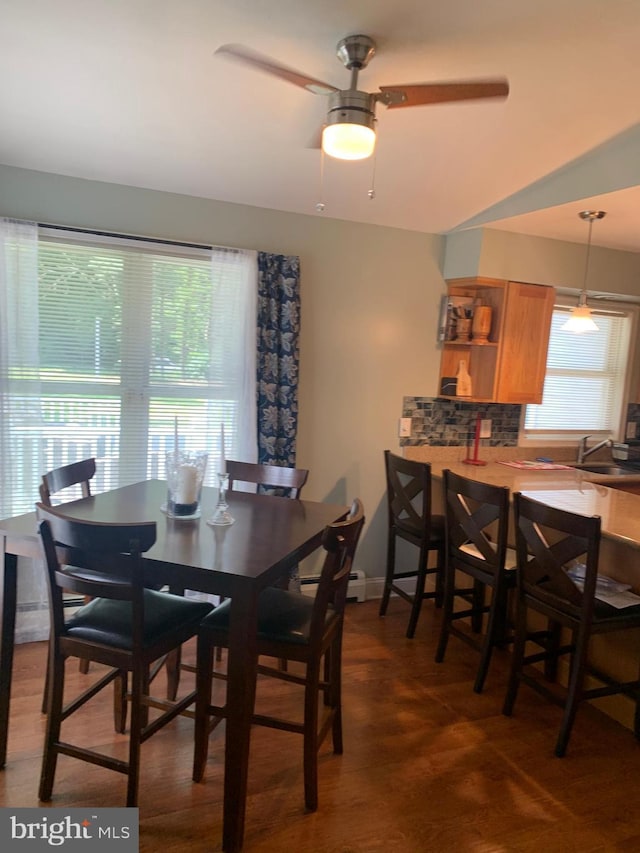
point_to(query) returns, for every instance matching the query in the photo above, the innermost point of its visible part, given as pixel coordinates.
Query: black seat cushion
(283, 617)
(108, 621)
(437, 528)
(605, 612)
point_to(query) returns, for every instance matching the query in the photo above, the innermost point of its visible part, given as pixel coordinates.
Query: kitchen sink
(609, 469)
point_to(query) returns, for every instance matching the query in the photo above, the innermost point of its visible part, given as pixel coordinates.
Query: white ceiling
(130, 91)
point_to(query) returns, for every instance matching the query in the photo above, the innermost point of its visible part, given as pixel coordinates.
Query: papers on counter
(608, 590)
(619, 600)
(535, 465)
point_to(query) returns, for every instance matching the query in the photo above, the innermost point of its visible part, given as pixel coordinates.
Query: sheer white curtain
(20, 404)
(233, 349)
(104, 341)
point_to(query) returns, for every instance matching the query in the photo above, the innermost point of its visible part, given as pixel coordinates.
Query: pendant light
(581, 320)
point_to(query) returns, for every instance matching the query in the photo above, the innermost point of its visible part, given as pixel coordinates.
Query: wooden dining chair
(71, 482)
(297, 628)
(476, 528)
(410, 518)
(125, 626)
(551, 545)
(62, 480)
(279, 480)
(274, 480)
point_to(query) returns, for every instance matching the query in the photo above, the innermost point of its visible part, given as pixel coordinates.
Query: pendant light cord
(583, 295)
(588, 216)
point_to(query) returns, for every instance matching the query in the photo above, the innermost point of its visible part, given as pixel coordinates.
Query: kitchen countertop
(570, 489)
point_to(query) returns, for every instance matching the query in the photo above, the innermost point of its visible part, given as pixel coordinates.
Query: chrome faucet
(584, 451)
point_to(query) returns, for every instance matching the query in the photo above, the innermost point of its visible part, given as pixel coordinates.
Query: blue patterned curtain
(278, 357)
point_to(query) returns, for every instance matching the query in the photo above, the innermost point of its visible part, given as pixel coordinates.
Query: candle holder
(185, 475)
(222, 516)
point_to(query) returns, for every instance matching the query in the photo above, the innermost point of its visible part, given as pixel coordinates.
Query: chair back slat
(408, 491)
(77, 473)
(477, 516)
(92, 558)
(291, 480)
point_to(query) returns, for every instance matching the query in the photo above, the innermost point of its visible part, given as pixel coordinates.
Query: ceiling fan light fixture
(348, 141)
(349, 133)
(581, 320)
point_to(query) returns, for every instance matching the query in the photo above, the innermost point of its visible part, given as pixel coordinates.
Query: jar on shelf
(481, 326)
(463, 329)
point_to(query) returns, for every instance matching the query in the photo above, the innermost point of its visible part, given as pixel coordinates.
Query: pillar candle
(187, 485)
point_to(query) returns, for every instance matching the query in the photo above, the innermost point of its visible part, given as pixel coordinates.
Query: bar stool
(124, 626)
(410, 518)
(272, 479)
(293, 627)
(549, 543)
(476, 525)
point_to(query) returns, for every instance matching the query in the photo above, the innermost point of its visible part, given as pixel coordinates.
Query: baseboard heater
(355, 590)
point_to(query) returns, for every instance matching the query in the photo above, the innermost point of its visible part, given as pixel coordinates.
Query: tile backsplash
(442, 422)
(448, 423)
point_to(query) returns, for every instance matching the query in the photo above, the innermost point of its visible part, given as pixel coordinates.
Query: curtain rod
(131, 237)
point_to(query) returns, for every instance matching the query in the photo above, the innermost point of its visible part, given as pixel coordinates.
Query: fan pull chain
(372, 192)
(320, 204)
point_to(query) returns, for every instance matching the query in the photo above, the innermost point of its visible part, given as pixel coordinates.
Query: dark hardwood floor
(428, 765)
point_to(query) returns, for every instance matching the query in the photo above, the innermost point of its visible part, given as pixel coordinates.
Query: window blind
(585, 377)
(129, 336)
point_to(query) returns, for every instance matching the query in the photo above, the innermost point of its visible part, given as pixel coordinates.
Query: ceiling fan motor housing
(355, 51)
(352, 107)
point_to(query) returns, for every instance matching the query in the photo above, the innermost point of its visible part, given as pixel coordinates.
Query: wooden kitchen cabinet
(510, 367)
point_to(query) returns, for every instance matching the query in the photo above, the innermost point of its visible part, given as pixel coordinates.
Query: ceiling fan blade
(441, 93)
(247, 56)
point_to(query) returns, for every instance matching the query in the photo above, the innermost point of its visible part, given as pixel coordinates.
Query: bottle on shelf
(463, 380)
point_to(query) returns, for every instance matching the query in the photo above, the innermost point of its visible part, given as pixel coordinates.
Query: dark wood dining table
(270, 535)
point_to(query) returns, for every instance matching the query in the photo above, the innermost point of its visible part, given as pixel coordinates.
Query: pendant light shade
(581, 320)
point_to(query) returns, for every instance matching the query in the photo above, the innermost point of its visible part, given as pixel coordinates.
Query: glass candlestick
(222, 516)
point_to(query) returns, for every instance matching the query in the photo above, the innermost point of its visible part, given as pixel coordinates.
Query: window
(122, 336)
(586, 378)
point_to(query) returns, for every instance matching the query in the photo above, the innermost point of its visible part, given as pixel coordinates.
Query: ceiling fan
(349, 131)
